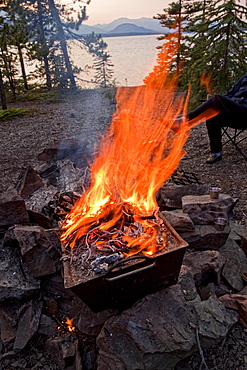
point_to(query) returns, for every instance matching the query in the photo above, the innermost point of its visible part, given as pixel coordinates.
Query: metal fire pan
(130, 279)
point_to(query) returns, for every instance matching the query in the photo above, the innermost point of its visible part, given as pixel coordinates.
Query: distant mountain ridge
(124, 27)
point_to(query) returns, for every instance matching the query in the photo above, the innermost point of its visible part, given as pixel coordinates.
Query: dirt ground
(87, 116)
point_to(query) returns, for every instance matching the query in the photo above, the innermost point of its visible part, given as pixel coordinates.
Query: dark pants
(230, 114)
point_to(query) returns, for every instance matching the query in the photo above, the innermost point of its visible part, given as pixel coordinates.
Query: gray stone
(214, 320)
(28, 182)
(236, 264)
(237, 302)
(187, 283)
(16, 281)
(28, 323)
(90, 323)
(12, 209)
(40, 254)
(244, 240)
(154, 332)
(206, 266)
(236, 231)
(47, 326)
(170, 195)
(206, 237)
(203, 210)
(63, 350)
(179, 220)
(7, 332)
(160, 330)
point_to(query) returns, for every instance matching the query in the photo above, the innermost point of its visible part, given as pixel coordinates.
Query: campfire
(138, 153)
(118, 216)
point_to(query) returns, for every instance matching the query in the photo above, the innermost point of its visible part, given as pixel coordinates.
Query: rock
(237, 302)
(187, 283)
(178, 220)
(161, 329)
(68, 303)
(244, 240)
(12, 209)
(47, 326)
(64, 351)
(40, 254)
(154, 332)
(50, 306)
(90, 323)
(28, 182)
(214, 320)
(235, 266)
(206, 237)
(28, 323)
(236, 231)
(170, 195)
(40, 219)
(8, 332)
(16, 282)
(203, 210)
(206, 266)
(89, 359)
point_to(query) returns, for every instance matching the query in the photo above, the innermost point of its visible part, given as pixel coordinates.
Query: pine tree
(216, 47)
(174, 18)
(102, 65)
(7, 56)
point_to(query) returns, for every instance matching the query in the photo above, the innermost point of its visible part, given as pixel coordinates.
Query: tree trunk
(9, 72)
(57, 19)
(179, 38)
(2, 92)
(44, 46)
(23, 70)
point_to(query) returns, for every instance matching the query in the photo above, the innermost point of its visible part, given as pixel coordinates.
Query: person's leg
(214, 133)
(230, 114)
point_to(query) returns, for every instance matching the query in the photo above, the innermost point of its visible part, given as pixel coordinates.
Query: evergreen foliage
(39, 30)
(174, 18)
(213, 51)
(102, 65)
(216, 47)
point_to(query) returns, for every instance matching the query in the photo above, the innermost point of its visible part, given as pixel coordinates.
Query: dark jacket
(238, 92)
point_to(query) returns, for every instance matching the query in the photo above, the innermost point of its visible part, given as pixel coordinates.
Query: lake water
(133, 58)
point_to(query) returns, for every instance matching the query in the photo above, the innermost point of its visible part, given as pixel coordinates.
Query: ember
(69, 324)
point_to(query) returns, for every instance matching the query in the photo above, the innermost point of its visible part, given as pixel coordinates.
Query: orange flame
(205, 80)
(138, 153)
(69, 323)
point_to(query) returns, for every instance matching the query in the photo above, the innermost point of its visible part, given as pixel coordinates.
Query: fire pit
(118, 215)
(129, 279)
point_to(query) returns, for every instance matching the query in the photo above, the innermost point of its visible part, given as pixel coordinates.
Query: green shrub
(12, 113)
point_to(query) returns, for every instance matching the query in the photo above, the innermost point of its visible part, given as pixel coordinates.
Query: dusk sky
(106, 11)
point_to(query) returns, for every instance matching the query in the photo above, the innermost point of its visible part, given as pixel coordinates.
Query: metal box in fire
(131, 279)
